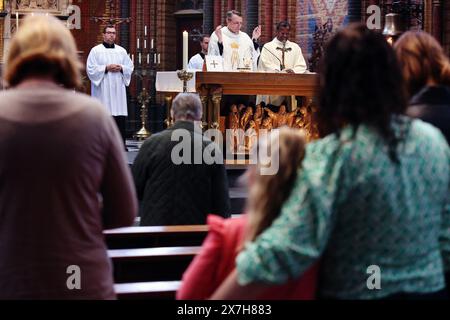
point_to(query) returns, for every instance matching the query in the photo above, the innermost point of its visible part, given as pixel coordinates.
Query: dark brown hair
(422, 61)
(360, 82)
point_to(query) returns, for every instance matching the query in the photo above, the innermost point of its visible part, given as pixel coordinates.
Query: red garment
(217, 259)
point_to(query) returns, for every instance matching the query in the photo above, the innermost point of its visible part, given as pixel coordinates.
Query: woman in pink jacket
(227, 237)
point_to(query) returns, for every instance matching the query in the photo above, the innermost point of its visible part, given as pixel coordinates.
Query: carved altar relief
(56, 7)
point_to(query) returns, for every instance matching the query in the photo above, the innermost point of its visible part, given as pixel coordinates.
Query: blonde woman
(227, 237)
(63, 173)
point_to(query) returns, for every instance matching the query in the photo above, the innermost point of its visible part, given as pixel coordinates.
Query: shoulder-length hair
(43, 47)
(422, 60)
(267, 193)
(360, 82)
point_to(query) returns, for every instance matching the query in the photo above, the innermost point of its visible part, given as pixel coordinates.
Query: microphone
(264, 47)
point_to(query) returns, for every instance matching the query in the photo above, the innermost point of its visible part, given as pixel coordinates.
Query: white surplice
(196, 63)
(238, 50)
(109, 87)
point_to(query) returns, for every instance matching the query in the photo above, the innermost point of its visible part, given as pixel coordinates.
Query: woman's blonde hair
(422, 60)
(43, 47)
(267, 193)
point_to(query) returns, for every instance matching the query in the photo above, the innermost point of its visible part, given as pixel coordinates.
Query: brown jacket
(63, 179)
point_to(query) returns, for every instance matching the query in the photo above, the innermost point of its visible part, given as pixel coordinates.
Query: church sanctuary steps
(151, 264)
(155, 290)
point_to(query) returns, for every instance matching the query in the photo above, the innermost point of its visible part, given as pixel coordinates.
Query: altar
(211, 86)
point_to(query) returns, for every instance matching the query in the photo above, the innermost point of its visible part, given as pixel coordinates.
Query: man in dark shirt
(175, 182)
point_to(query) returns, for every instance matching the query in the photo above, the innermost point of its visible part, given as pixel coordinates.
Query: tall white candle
(185, 49)
(154, 58)
(17, 21)
(159, 58)
(151, 44)
(145, 30)
(148, 58)
(140, 61)
(145, 44)
(132, 58)
(138, 43)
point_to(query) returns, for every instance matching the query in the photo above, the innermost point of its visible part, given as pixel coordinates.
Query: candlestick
(185, 49)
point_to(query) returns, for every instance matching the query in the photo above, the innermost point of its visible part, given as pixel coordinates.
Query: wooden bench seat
(156, 290)
(155, 236)
(151, 264)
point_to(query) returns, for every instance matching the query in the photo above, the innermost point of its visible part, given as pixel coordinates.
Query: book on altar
(214, 63)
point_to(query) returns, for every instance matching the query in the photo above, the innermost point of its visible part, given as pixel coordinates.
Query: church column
(268, 13)
(230, 5)
(283, 10)
(436, 12)
(252, 15)
(354, 11)
(217, 13)
(208, 15)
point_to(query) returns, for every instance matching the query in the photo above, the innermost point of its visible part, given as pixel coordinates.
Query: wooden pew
(151, 264)
(157, 236)
(155, 290)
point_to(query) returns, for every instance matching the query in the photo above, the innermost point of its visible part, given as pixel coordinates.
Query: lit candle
(151, 44)
(145, 44)
(185, 49)
(17, 20)
(145, 30)
(159, 58)
(140, 61)
(148, 58)
(138, 43)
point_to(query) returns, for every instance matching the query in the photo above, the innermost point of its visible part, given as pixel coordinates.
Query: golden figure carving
(246, 117)
(281, 118)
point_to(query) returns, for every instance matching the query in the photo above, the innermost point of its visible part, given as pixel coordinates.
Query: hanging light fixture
(393, 27)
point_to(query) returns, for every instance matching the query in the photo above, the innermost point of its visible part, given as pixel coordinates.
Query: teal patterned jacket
(353, 208)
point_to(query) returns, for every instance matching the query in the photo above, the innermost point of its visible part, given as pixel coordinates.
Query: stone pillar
(354, 11)
(208, 17)
(252, 15)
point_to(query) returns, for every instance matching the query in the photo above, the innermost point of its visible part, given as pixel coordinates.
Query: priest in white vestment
(109, 68)
(196, 62)
(281, 55)
(238, 50)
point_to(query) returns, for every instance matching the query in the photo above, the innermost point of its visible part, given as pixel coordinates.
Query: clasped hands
(113, 68)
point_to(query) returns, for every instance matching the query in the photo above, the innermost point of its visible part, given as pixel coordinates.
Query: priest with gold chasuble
(239, 52)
